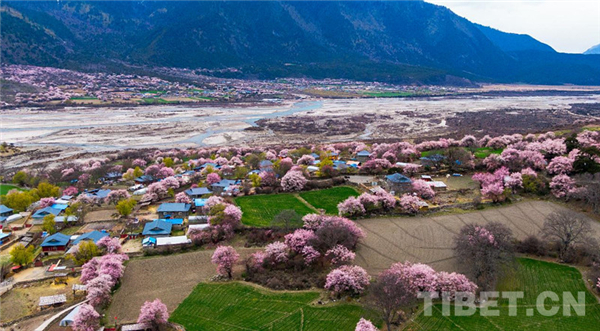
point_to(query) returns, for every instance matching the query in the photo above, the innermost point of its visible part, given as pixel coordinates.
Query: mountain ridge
(391, 41)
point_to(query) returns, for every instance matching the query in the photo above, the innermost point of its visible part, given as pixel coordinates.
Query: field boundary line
(301, 199)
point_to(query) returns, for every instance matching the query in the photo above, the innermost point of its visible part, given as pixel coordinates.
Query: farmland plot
(236, 306)
(430, 239)
(170, 278)
(532, 277)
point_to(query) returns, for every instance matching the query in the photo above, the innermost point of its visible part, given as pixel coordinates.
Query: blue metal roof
(98, 194)
(60, 206)
(57, 239)
(157, 227)
(45, 211)
(174, 221)
(93, 236)
(198, 191)
(4, 209)
(363, 153)
(170, 207)
(200, 202)
(398, 178)
(144, 178)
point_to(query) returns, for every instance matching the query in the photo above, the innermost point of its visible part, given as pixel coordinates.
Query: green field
(259, 210)
(533, 277)
(328, 199)
(235, 306)
(483, 152)
(157, 100)
(4, 188)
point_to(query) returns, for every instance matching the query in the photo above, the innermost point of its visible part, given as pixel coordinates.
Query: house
(426, 178)
(265, 165)
(65, 220)
(4, 237)
(315, 156)
(223, 185)
(5, 212)
(70, 318)
(177, 223)
(339, 165)
(157, 228)
(173, 210)
(434, 160)
(192, 220)
(398, 182)
(206, 165)
(170, 241)
(41, 213)
(197, 192)
(57, 242)
(437, 185)
(112, 177)
(91, 236)
(98, 194)
(60, 206)
(144, 179)
(312, 169)
(363, 156)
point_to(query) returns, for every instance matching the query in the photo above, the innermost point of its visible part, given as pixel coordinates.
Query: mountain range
(593, 50)
(395, 41)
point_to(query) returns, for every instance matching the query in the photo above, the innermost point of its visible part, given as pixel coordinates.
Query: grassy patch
(236, 306)
(4, 188)
(532, 277)
(483, 152)
(328, 199)
(259, 210)
(156, 101)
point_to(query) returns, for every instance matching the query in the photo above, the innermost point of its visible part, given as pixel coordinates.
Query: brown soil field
(23, 301)
(430, 239)
(170, 278)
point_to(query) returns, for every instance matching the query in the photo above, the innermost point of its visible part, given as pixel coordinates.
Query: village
(33, 86)
(64, 227)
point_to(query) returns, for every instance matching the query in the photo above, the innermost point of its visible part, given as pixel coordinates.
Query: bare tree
(567, 229)
(486, 251)
(388, 294)
(589, 190)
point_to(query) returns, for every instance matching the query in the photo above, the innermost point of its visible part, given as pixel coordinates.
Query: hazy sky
(568, 26)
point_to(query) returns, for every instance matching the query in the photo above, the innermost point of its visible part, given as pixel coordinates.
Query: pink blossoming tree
(225, 257)
(154, 313)
(86, 319)
(347, 280)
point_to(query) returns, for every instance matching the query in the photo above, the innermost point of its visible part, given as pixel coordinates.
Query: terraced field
(532, 277)
(429, 239)
(237, 306)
